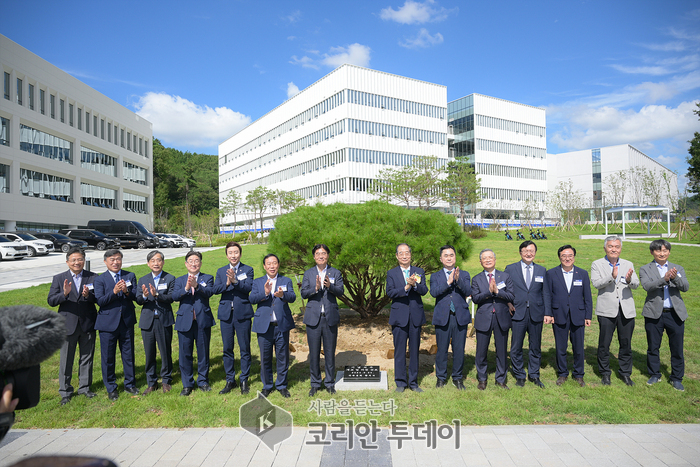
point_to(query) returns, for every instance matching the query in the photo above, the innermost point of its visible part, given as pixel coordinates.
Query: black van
(131, 234)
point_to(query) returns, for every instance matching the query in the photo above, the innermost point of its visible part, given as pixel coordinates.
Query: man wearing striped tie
(450, 286)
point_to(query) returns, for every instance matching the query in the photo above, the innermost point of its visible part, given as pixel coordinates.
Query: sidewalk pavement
(540, 445)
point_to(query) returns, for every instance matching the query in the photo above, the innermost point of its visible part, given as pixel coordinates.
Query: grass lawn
(567, 404)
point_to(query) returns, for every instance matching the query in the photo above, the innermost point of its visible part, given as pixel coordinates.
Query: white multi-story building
(68, 154)
(506, 142)
(592, 170)
(329, 142)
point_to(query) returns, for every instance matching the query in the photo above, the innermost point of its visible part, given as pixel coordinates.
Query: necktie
(405, 274)
(192, 289)
(117, 278)
(528, 277)
(452, 304)
(493, 309)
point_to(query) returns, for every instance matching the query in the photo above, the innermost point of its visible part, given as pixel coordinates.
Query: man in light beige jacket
(614, 278)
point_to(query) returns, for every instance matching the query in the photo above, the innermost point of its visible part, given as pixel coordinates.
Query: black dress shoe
(440, 383)
(537, 382)
(267, 392)
(605, 380)
(65, 400)
(313, 391)
(520, 382)
(561, 380)
(400, 389)
(628, 381)
(416, 389)
(89, 394)
(504, 385)
(245, 389)
(458, 384)
(285, 393)
(205, 387)
(580, 381)
(331, 390)
(229, 386)
(186, 391)
(482, 385)
(166, 388)
(113, 396)
(132, 390)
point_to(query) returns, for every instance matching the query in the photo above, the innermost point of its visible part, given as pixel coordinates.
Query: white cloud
(416, 13)
(667, 47)
(292, 90)
(293, 17)
(354, 54)
(422, 40)
(183, 123)
(305, 61)
(645, 70)
(588, 127)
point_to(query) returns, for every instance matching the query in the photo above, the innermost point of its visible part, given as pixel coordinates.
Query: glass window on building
(109, 132)
(62, 110)
(31, 97)
(44, 144)
(98, 162)
(42, 101)
(134, 173)
(52, 106)
(19, 91)
(94, 125)
(135, 203)
(87, 122)
(70, 114)
(102, 128)
(116, 131)
(7, 86)
(98, 196)
(5, 132)
(4, 178)
(45, 186)
(122, 138)
(80, 119)
(128, 141)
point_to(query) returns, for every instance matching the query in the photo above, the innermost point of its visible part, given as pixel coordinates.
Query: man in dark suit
(664, 310)
(569, 308)
(272, 322)
(320, 286)
(405, 284)
(114, 291)
(528, 314)
(73, 292)
(154, 292)
(234, 282)
(450, 287)
(194, 322)
(492, 291)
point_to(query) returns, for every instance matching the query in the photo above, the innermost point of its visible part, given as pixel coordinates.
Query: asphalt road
(27, 272)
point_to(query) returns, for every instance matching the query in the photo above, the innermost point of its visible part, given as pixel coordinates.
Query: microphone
(29, 335)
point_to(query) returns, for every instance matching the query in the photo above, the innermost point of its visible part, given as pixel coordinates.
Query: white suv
(35, 246)
(190, 243)
(11, 250)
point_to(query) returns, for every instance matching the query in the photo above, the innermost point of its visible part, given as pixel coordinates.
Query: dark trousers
(457, 335)
(124, 336)
(270, 340)
(563, 332)
(675, 329)
(328, 335)
(200, 336)
(534, 337)
(402, 334)
(625, 328)
(85, 341)
(500, 340)
(162, 336)
(229, 330)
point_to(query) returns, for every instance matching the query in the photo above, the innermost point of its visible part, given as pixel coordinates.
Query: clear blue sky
(608, 72)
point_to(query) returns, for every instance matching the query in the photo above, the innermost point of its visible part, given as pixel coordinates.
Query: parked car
(94, 238)
(175, 241)
(11, 250)
(131, 234)
(35, 246)
(189, 242)
(164, 239)
(60, 241)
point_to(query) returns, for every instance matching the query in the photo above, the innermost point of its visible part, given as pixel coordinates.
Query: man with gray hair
(614, 278)
(492, 291)
(154, 292)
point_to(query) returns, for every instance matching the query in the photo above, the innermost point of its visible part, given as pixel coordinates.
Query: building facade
(506, 142)
(68, 154)
(329, 142)
(597, 173)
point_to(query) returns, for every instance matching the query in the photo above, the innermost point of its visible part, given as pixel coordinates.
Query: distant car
(35, 246)
(94, 238)
(190, 243)
(175, 241)
(12, 250)
(60, 241)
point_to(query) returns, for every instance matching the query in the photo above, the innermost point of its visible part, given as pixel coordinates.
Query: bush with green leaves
(362, 239)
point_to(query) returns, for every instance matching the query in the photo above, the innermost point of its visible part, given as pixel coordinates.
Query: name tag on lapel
(203, 284)
(241, 277)
(578, 283)
(539, 279)
(501, 285)
(90, 286)
(162, 286)
(128, 283)
(332, 279)
(283, 287)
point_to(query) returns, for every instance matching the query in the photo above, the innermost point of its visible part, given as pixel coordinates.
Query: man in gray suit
(320, 286)
(614, 278)
(664, 310)
(154, 292)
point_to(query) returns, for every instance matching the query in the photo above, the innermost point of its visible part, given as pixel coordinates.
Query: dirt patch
(367, 342)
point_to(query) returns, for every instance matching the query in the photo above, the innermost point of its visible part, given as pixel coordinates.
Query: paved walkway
(546, 445)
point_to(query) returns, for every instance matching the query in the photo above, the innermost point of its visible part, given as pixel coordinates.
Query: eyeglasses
(194, 262)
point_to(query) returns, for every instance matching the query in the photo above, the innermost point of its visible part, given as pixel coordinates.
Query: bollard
(87, 264)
